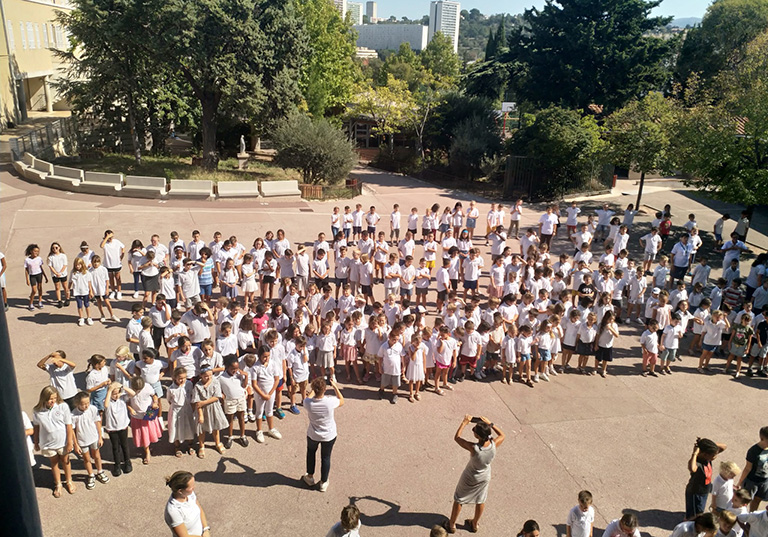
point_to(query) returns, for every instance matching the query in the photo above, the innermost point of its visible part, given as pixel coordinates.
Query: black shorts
(571, 348)
(442, 295)
(413, 231)
(58, 279)
(584, 349)
(756, 490)
(470, 284)
(320, 283)
(616, 304)
(454, 284)
(268, 280)
(340, 281)
(357, 229)
(678, 273)
(371, 230)
(114, 270)
(35, 279)
(422, 291)
(604, 354)
(367, 290)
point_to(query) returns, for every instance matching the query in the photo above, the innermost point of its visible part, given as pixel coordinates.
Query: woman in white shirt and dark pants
(321, 431)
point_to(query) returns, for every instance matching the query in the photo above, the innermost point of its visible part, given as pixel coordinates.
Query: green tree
(721, 40)
(240, 57)
(330, 72)
(722, 139)
(403, 65)
(455, 108)
(388, 106)
(320, 151)
(580, 52)
(641, 134)
(474, 143)
(440, 61)
(490, 46)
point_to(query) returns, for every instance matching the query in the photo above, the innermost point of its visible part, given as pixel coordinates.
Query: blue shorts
(206, 289)
(471, 223)
(709, 348)
(718, 237)
(470, 284)
(83, 301)
(524, 358)
(406, 292)
(545, 355)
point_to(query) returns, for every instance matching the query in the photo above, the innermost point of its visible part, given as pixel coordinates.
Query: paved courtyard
(625, 438)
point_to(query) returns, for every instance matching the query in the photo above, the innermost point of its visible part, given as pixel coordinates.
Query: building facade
(341, 5)
(372, 12)
(355, 11)
(28, 65)
(444, 17)
(390, 36)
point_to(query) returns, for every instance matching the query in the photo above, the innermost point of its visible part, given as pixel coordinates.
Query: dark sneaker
(127, 467)
(244, 441)
(102, 477)
(90, 483)
(279, 413)
(228, 442)
(117, 471)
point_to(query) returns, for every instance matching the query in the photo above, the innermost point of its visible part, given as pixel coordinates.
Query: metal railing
(59, 136)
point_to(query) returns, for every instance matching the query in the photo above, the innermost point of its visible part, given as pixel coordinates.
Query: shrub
(317, 149)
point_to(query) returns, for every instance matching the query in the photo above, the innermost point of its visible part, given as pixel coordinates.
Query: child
(581, 517)
(649, 341)
(116, 423)
(606, 336)
(297, 370)
(752, 477)
(86, 423)
(722, 486)
(390, 364)
(670, 341)
(146, 424)
(585, 341)
(394, 224)
(97, 380)
(348, 342)
(700, 484)
(699, 318)
(524, 349)
(349, 525)
(712, 337)
(62, 377)
(33, 270)
(57, 262)
(739, 342)
(81, 286)
(264, 382)
(54, 437)
(701, 526)
(150, 368)
(509, 354)
(414, 373)
(206, 399)
(626, 526)
(325, 345)
(233, 384)
(569, 338)
(99, 279)
(181, 420)
(445, 359)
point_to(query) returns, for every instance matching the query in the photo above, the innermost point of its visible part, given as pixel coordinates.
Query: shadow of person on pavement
(247, 477)
(393, 516)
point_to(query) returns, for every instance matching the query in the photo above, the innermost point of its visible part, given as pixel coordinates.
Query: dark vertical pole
(18, 510)
(640, 191)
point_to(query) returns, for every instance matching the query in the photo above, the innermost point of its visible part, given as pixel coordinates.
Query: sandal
(220, 448)
(447, 527)
(178, 453)
(410, 399)
(417, 397)
(440, 392)
(471, 528)
(69, 486)
(57, 490)
(201, 453)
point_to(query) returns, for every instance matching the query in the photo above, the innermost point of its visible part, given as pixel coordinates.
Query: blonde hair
(45, 395)
(730, 468)
(123, 351)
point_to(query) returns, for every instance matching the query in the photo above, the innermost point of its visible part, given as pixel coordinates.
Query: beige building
(28, 35)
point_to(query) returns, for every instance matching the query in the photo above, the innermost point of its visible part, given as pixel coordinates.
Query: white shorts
(510, 359)
(50, 453)
(262, 407)
(231, 406)
(647, 256)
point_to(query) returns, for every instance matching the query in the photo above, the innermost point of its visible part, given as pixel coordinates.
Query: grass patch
(181, 168)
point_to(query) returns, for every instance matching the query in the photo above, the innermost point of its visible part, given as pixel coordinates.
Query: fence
(352, 188)
(529, 178)
(55, 139)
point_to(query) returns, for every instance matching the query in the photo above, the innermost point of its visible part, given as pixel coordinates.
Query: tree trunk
(210, 104)
(134, 132)
(640, 191)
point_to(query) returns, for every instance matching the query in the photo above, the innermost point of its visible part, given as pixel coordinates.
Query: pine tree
(501, 36)
(490, 46)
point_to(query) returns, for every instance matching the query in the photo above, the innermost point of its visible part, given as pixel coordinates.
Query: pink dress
(145, 432)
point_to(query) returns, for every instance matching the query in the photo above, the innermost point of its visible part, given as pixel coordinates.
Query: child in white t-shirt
(722, 486)
(86, 422)
(581, 517)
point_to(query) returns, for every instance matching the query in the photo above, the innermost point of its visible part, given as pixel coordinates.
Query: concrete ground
(625, 438)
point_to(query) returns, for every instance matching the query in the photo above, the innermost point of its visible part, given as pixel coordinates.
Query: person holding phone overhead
(474, 481)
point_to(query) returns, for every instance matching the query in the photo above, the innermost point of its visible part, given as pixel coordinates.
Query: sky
(418, 8)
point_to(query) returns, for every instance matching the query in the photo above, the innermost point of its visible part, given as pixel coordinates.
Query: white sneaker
(260, 437)
(111, 295)
(81, 322)
(478, 376)
(136, 294)
(89, 321)
(274, 433)
(536, 378)
(627, 321)
(308, 479)
(323, 486)
(103, 320)
(119, 295)
(545, 377)
(116, 318)
(552, 370)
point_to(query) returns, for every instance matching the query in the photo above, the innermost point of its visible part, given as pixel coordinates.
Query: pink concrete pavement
(625, 438)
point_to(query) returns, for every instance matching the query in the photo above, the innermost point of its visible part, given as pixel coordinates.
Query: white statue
(242, 144)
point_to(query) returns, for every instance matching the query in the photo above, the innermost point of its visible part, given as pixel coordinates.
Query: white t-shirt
(573, 215)
(723, 489)
(614, 530)
(548, 222)
(472, 268)
(232, 386)
(322, 425)
(116, 416)
(198, 326)
(30, 446)
(84, 423)
(53, 426)
(63, 380)
(187, 513)
(390, 354)
(580, 521)
(112, 251)
(713, 332)
(151, 372)
(606, 338)
(58, 262)
(81, 283)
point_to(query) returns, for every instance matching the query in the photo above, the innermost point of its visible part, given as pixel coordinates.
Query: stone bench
(64, 178)
(38, 171)
(238, 189)
(140, 186)
(271, 189)
(102, 183)
(27, 161)
(189, 188)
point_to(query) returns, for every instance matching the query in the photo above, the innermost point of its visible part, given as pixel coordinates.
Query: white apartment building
(341, 5)
(355, 11)
(390, 36)
(444, 16)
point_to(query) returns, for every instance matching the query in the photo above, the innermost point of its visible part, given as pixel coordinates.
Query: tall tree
(403, 65)
(720, 42)
(388, 106)
(490, 46)
(501, 35)
(330, 72)
(580, 52)
(239, 56)
(440, 60)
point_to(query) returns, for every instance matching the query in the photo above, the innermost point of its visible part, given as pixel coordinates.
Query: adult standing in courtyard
(548, 226)
(474, 481)
(183, 512)
(114, 251)
(681, 258)
(732, 250)
(322, 429)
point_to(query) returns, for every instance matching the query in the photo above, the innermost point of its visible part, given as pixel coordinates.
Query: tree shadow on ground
(394, 516)
(247, 477)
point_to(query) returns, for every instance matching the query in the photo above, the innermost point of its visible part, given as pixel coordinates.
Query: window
(30, 36)
(23, 36)
(37, 35)
(45, 34)
(9, 31)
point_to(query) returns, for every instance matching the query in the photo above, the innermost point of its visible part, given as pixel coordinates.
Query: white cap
(656, 291)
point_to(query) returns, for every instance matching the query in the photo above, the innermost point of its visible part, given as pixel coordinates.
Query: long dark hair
(760, 260)
(483, 431)
(529, 527)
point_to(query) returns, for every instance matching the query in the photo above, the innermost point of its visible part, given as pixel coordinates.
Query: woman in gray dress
(474, 481)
